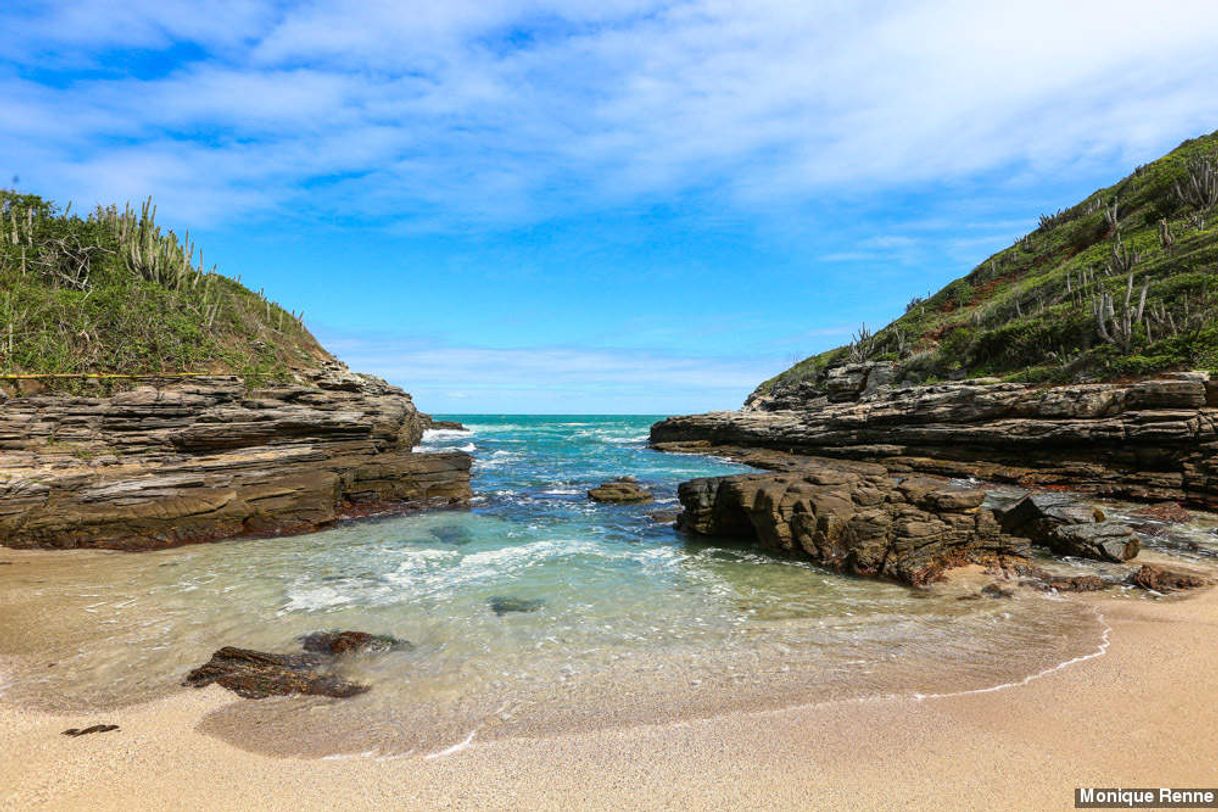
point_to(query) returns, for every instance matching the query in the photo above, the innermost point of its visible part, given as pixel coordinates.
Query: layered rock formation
(202, 458)
(853, 517)
(1151, 440)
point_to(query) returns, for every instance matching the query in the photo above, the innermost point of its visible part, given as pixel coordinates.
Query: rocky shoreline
(1153, 440)
(860, 469)
(201, 459)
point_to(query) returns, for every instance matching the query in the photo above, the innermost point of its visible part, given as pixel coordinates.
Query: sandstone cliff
(202, 458)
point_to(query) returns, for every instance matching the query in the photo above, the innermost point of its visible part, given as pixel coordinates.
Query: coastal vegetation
(113, 293)
(1124, 283)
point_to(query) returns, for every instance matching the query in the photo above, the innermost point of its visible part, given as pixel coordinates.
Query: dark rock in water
(1078, 583)
(1103, 541)
(1069, 527)
(502, 605)
(1169, 512)
(454, 534)
(997, 591)
(1052, 509)
(1159, 579)
(352, 643)
(447, 425)
(853, 517)
(622, 490)
(664, 516)
(257, 674)
(84, 731)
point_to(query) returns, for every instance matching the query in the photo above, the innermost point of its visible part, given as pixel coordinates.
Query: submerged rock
(1167, 512)
(1160, 579)
(624, 490)
(997, 591)
(1069, 527)
(352, 643)
(502, 605)
(664, 516)
(259, 674)
(1078, 583)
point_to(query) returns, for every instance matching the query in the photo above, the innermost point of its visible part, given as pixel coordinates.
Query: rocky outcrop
(1068, 527)
(203, 458)
(1160, 579)
(852, 517)
(1153, 440)
(624, 490)
(257, 675)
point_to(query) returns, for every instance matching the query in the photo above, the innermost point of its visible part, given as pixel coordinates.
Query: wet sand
(1142, 714)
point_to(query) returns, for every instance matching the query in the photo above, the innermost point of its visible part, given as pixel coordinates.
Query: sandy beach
(1140, 714)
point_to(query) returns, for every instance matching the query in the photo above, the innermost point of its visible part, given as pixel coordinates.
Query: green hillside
(111, 292)
(1124, 283)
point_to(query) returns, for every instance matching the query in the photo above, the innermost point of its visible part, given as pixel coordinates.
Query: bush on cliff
(111, 292)
(1123, 283)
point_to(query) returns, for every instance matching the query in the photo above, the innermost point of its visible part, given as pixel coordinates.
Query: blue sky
(612, 206)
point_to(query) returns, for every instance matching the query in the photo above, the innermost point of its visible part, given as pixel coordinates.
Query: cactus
(1123, 258)
(1119, 328)
(1112, 216)
(862, 345)
(1200, 186)
(1166, 239)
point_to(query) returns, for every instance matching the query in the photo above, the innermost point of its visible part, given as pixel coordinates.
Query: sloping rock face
(1152, 440)
(853, 517)
(203, 460)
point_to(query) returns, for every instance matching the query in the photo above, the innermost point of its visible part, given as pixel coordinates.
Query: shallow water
(630, 622)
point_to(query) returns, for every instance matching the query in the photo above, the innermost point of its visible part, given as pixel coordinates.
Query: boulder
(1069, 527)
(257, 674)
(1101, 541)
(1161, 579)
(624, 490)
(852, 517)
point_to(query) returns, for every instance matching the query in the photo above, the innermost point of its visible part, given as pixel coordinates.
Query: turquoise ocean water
(628, 621)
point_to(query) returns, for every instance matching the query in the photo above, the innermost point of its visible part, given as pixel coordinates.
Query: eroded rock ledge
(852, 517)
(205, 459)
(1152, 440)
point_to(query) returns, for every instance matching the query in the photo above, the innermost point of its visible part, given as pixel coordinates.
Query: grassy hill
(110, 292)
(1124, 283)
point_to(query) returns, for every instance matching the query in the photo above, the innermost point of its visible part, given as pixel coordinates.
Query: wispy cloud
(785, 168)
(506, 112)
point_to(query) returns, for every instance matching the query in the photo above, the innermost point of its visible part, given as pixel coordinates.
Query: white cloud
(508, 111)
